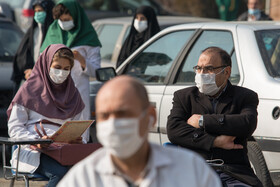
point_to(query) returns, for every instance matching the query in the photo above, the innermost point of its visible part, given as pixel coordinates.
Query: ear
(153, 114)
(227, 71)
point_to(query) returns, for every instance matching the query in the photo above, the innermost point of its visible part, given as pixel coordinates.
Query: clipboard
(71, 130)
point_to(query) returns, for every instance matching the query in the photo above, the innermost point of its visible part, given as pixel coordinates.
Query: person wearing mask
(144, 26)
(215, 119)
(29, 48)
(124, 117)
(254, 12)
(49, 97)
(72, 28)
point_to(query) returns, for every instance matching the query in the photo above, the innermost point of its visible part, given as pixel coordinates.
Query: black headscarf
(135, 39)
(24, 56)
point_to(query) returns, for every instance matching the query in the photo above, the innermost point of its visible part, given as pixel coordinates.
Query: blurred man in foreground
(124, 117)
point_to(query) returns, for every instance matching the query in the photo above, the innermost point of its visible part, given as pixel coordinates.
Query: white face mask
(58, 76)
(120, 136)
(140, 26)
(206, 83)
(66, 25)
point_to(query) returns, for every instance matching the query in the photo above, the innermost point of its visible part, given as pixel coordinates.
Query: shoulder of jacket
(187, 90)
(242, 90)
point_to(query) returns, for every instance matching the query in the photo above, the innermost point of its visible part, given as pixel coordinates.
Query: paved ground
(6, 183)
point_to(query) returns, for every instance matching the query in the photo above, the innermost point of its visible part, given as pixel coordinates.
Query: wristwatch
(200, 122)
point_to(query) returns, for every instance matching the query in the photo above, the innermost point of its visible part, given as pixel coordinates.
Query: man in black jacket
(216, 118)
(254, 12)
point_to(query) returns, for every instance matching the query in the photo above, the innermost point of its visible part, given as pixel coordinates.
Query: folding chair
(15, 174)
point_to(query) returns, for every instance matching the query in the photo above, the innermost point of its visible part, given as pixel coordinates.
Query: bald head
(122, 105)
(222, 54)
(126, 87)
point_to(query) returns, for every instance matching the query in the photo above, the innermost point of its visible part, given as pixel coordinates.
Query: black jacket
(235, 115)
(24, 57)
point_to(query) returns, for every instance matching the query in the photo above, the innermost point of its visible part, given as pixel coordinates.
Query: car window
(222, 39)
(126, 33)
(269, 44)
(9, 42)
(14, 3)
(154, 62)
(108, 36)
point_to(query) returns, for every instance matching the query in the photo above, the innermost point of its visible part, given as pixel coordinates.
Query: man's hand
(27, 73)
(193, 120)
(252, 17)
(226, 142)
(80, 58)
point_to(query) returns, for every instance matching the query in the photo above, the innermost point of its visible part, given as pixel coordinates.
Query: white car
(112, 32)
(165, 64)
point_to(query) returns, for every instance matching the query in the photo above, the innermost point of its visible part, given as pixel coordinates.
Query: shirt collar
(216, 98)
(156, 160)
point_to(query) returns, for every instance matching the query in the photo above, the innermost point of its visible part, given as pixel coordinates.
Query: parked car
(165, 64)
(22, 12)
(10, 38)
(113, 31)
(6, 11)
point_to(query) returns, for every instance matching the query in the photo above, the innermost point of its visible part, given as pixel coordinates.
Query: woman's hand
(77, 141)
(43, 145)
(27, 73)
(80, 58)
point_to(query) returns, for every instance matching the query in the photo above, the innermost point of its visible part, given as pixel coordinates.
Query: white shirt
(37, 41)
(166, 167)
(81, 77)
(21, 125)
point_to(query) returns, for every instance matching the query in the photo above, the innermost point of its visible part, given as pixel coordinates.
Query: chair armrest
(18, 141)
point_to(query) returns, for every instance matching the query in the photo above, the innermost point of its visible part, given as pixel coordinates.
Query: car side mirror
(105, 74)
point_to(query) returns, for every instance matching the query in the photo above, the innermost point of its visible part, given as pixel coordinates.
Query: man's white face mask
(120, 136)
(206, 83)
(140, 26)
(58, 76)
(66, 25)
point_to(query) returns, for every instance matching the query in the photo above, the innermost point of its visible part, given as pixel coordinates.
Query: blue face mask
(40, 17)
(254, 11)
(268, 47)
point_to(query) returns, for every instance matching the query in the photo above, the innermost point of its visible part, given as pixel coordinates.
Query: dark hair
(58, 10)
(64, 53)
(226, 60)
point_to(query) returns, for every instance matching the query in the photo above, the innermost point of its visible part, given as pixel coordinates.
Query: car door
(183, 75)
(153, 65)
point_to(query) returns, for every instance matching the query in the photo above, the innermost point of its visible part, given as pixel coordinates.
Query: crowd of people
(52, 67)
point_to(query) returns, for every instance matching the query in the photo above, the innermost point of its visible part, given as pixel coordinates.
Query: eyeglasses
(207, 69)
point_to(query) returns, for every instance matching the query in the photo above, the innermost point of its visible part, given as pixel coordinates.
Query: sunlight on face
(140, 17)
(66, 17)
(61, 63)
(38, 8)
